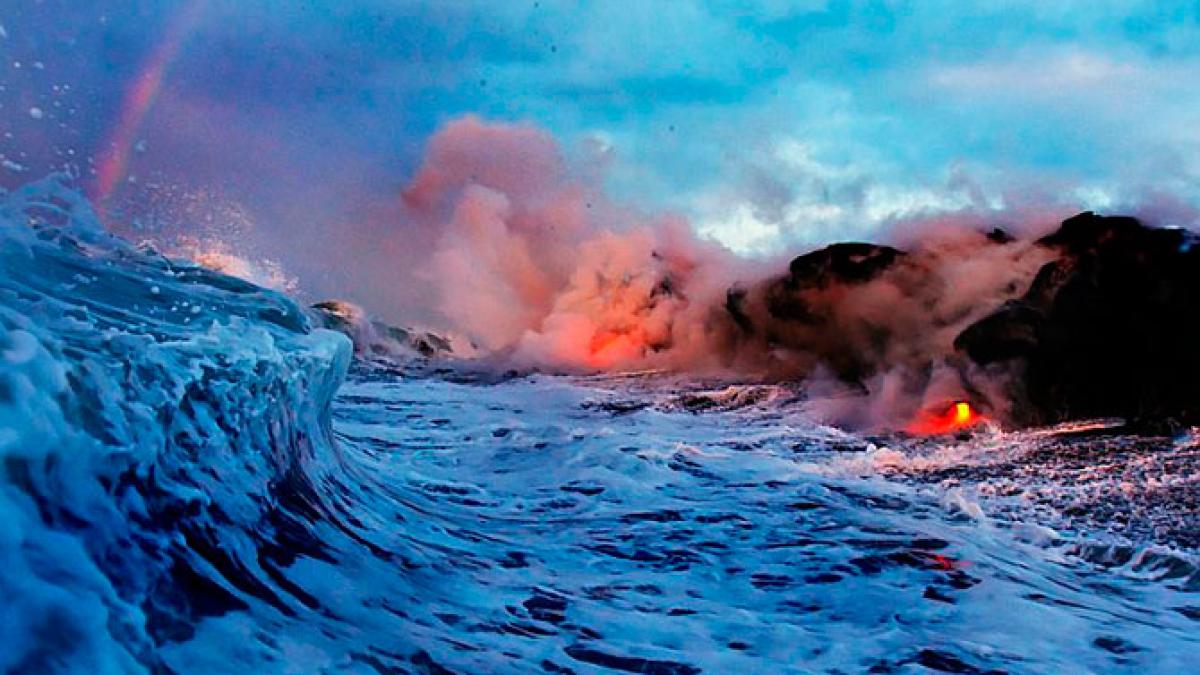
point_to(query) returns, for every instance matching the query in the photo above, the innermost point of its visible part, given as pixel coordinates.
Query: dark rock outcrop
(1109, 328)
(375, 338)
(839, 264)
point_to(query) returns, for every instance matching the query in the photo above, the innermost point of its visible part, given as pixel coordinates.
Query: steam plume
(531, 258)
(532, 261)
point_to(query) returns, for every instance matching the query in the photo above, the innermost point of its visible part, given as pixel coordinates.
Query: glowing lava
(955, 417)
(608, 348)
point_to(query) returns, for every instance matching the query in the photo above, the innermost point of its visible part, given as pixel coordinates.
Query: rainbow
(112, 162)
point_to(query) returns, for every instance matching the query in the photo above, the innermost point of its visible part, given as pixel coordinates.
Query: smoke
(872, 328)
(534, 262)
(531, 259)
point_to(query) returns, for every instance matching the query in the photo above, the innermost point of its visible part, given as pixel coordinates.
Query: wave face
(162, 431)
(188, 485)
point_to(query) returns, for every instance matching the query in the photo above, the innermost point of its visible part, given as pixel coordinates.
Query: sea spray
(145, 405)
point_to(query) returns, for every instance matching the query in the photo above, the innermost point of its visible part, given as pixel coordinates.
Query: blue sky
(773, 125)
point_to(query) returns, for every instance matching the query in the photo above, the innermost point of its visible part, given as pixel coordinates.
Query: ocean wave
(152, 413)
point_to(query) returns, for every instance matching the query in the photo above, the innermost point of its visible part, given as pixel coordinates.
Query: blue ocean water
(196, 479)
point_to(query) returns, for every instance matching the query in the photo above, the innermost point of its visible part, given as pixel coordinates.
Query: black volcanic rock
(998, 235)
(849, 262)
(801, 318)
(371, 337)
(846, 264)
(1011, 332)
(1109, 328)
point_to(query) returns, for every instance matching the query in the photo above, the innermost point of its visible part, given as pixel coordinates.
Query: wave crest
(145, 405)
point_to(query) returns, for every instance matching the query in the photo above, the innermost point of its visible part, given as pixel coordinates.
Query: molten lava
(955, 417)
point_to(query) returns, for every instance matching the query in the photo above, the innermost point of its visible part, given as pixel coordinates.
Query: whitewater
(194, 475)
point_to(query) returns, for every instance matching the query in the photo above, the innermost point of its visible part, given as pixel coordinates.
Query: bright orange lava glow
(609, 348)
(956, 417)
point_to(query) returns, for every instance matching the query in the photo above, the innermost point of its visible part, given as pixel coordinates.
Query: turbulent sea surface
(194, 479)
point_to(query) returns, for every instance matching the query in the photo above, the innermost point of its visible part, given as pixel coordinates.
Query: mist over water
(525, 255)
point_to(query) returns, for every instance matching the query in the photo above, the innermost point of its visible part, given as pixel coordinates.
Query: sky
(771, 126)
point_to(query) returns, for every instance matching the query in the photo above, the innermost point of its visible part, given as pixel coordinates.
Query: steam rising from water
(531, 260)
(510, 240)
(530, 257)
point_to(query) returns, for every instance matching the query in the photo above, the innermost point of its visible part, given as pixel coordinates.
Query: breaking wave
(164, 430)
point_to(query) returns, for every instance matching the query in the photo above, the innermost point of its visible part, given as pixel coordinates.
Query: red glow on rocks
(956, 416)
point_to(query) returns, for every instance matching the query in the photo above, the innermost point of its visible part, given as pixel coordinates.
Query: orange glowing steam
(955, 417)
(609, 348)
